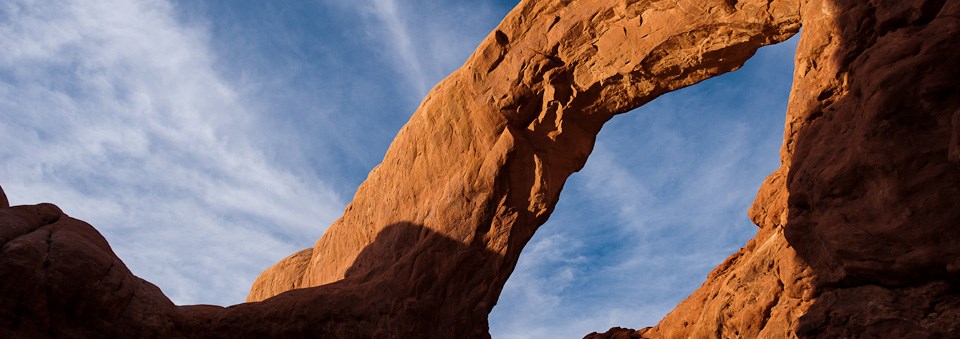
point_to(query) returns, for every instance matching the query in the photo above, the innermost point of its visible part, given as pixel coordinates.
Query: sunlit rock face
(484, 158)
(860, 226)
(857, 229)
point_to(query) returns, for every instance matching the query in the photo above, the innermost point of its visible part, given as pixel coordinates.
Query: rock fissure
(765, 315)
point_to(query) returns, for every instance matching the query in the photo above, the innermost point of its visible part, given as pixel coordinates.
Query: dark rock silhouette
(3, 199)
(858, 229)
(61, 279)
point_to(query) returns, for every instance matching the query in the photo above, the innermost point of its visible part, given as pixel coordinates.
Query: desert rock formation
(860, 226)
(484, 158)
(857, 227)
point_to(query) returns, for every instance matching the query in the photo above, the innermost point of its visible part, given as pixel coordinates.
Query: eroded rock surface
(864, 203)
(59, 278)
(860, 227)
(484, 158)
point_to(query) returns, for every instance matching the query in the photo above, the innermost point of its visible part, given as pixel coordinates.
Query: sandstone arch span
(480, 165)
(485, 156)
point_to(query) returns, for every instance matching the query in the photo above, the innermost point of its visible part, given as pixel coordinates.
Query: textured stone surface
(484, 158)
(873, 204)
(61, 279)
(859, 231)
(857, 228)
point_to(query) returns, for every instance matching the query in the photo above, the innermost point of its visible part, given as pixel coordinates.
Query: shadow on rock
(873, 191)
(59, 277)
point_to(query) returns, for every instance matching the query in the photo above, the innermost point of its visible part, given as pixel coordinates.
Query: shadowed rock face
(859, 231)
(3, 199)
(857, 228)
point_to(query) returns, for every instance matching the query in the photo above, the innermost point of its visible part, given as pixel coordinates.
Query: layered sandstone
(863, 204)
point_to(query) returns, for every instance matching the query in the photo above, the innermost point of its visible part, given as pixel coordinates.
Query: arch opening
(662, 201)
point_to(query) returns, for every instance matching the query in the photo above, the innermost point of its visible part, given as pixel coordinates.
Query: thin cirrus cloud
(207, 140)
(426, 40)
(399, 40)
(114, 111)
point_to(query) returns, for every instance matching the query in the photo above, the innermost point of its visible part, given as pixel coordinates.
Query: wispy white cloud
(400, 43)
(423, 41)
(115, 111)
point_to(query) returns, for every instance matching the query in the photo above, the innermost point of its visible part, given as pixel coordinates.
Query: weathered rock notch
(858, 227)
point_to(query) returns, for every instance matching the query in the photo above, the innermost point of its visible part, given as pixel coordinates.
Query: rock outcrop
(860, 226)
(857, 227)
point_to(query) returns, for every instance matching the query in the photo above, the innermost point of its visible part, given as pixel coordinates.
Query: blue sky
(207, 140)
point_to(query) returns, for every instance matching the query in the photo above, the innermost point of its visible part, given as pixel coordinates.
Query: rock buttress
(860, 226)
